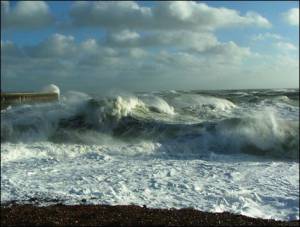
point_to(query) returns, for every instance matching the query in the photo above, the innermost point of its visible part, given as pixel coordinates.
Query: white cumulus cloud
(25, 14)
(291, 17)
(61, 59)
(169, 15)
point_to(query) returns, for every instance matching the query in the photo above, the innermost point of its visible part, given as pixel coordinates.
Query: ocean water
(235, 151)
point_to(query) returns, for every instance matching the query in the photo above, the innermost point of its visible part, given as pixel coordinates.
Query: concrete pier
(21, 98)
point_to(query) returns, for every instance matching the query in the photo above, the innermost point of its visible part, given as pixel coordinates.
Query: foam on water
(121, 174)
(196, 101)
(158, 104)
(218, 151)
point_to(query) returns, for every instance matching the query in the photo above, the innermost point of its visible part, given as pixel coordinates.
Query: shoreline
(125, 215)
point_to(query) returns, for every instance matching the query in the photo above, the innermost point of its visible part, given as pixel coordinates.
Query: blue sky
(269, 9)
(224, 39)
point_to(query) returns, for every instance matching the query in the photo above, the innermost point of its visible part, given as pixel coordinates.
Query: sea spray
(233, 151)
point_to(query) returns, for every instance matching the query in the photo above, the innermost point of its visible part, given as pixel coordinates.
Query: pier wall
(21, 98)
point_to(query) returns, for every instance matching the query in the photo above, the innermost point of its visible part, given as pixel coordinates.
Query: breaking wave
(192, 124)
(235, 151)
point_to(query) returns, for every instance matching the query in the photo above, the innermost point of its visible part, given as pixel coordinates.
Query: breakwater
(8, 99)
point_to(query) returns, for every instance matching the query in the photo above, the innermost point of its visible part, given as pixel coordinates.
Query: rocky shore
(131, 215)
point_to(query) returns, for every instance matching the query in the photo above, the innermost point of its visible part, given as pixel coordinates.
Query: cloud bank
(172, 15)
(170, 45)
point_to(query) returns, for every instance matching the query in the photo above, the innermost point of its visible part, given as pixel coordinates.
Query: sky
(98, 46)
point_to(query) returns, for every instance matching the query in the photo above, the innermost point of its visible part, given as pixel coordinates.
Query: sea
(215, 151)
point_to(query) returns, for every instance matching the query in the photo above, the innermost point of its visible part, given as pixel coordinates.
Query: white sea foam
(263, 132)
(108, 174)
(35, 122)
(124, 106)
(201, 101)
(158, 104)
(51, 88)
(161, 150)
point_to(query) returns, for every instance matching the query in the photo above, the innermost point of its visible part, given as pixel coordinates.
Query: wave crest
(78, 118)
